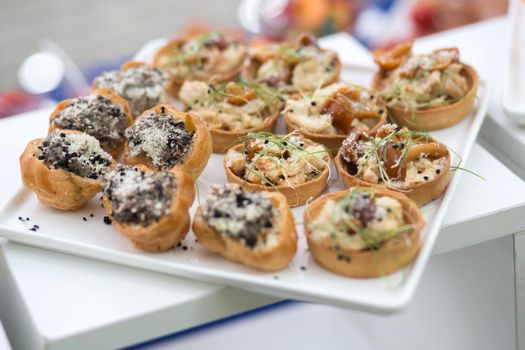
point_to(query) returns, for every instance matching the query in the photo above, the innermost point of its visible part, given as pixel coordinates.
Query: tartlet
(363, 232)
(151, 208)
(231, 110)
(329, 114)
(64, 169)
(210, 57)
(102, 114)
(293, 66)
(293, 165)
(256, 229)
(162, 138)
(142, 85)
(425, 92)
(399, 159)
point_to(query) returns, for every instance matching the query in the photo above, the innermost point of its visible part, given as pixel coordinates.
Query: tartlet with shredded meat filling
(427, 91)
(293, 165)
(151, 208)
(363, 232)
(210, 57)
(399, 159)
(329, 114)
(231, 110)
(142, 85)
(293, 66)
(64, 169)
(163, 138)
(256, 229)
(102, 114)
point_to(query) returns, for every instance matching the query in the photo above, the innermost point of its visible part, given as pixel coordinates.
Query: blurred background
(53, 48)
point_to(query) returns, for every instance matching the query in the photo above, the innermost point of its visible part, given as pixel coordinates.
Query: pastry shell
(274, 258)
(421, 193)
(438, 117)
(171, 228)
(392, 255)
(175, 83)
(196, 159)
(115, 99)
(296, 196)
(56, 188)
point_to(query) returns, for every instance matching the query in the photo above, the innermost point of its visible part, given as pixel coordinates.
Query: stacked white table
(56, 301)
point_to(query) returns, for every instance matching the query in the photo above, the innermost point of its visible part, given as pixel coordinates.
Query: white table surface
(62, 299)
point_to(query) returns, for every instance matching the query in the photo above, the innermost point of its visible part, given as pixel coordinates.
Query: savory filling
(272, 160)
(361, 220)
(80, 154)
(95, 115)
(336, 109)
(161, 138)
(399, 158)
(245, 216)
(204, 56)
(138, 197)
(422, 81)
(142, 86)
(232, 106)
(302, 65)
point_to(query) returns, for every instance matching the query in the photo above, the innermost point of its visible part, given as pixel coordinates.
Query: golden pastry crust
(172, 48)
(267, 52)
(296, 196)
(421, 193)
(272, 258)
(167, 232)
(199, 154)
(115, 99)
(56, 188)
(333, 141)
(393, 254)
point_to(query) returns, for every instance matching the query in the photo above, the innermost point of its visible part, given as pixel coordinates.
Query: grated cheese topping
(95, 115)
(161, 138)
(138, 197)
(80, 154)
(245, 216)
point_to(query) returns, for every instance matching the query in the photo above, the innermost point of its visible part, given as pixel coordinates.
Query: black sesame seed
(184, 248)
(179, 244)
(266, 141)
(303, 268)
(91, 215)
(425, 177)
(20, 218)
(32, 229)
(62, 134)
(313, 103)
(419, 171)
(438, 171)
(27, 219)
(84, 218)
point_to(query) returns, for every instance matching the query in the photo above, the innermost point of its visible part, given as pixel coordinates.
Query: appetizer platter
(311, 194)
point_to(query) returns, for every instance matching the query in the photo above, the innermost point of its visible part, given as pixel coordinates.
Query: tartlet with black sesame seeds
(163, 138)
(402, 160)
(256, 229)
(151, 208)
(64, 169)
(102, 114)
(329, 114)
(291, 164)
(363, 231)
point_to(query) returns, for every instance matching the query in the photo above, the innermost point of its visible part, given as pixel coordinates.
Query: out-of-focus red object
(17, 101)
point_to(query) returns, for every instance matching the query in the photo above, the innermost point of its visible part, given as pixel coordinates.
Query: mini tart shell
(115, 99)
(296, 196)
(332, 142)
(171, 228)
(438, 117)
(175, 83)
(421, 193)
(393, 254)
(267, 259)
(224, 140)
(199, 153)
(252, 65)
(56, 188)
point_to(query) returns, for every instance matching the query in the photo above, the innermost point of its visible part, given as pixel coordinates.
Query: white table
(58, 301)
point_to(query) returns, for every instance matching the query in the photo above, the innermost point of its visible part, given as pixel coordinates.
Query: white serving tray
(514, 83)
(303, 279)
